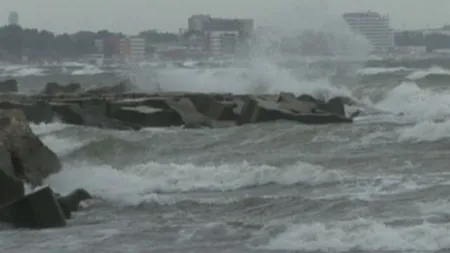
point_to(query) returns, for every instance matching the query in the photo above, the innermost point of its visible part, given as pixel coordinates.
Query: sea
(381, 184)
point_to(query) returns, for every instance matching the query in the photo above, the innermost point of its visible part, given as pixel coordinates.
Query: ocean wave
(87, 70)
(136, 181)
(377, 71)
(22, 71)
(361, 235)
(434, 70)
(412, 101)
(426, 131)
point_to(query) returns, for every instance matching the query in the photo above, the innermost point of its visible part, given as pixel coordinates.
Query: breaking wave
(362, 235)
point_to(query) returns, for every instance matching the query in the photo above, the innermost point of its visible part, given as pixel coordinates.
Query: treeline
(16, 42)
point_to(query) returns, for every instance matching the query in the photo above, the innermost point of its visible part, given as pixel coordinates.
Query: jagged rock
(213, 109)
(334, 105)
(189, 114)
(29, 159)
(23, 158)
(71, 202)
(10, 85)
(289, 102)
(73, 114)
(39, 112)
(11, 188)
(39, 209)
(148, 117)
(257, 109)
(55, 88)
(122, 87)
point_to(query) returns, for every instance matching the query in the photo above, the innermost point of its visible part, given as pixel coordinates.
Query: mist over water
(262, 70)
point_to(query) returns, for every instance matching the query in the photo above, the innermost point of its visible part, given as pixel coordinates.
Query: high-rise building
(13, 18)
(197, 22)
(373, 26)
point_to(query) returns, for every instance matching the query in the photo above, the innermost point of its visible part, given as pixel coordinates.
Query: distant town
(204, 37)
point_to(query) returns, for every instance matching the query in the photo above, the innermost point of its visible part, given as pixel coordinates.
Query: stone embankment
(115, 108)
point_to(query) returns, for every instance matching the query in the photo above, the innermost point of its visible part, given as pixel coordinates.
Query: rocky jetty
(116, 108)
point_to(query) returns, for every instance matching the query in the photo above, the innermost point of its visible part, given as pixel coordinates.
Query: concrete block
(37, 210)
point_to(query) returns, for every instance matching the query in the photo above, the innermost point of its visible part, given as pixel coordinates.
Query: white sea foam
(435, 70)
(413, 101)
(135, 182)
(22, 71)
(425, 131)
(87, 70)
(376, 71)
(362, 234)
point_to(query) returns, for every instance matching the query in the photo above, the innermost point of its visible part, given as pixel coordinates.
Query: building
(223, 42)
(220, 35)
(374, 27)
(197, 22)
(132, 49)
(13, 18)
(99, 45)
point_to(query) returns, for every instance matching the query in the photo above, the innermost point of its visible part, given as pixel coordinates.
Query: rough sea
(381, 184)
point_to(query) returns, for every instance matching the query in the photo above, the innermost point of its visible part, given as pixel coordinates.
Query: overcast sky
(131, 16)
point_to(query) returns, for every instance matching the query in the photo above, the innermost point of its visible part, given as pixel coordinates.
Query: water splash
(264, 69)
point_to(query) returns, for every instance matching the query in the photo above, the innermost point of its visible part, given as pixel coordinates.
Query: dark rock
(73, 114)
(289, 102)
(148, 117)
(122, 87)
(213, 109)
(308, 98)
(189, 114)
(24, 156)
(9, 86)
(71, 202)
(334, 106)
(39, 112)
(256, 110)
(55, 88)
(11, 188)
(95, 106)
(37, 210)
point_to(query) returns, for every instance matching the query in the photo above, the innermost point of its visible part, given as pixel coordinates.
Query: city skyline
(170, 15)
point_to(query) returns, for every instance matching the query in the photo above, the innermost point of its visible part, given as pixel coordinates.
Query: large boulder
(37, 210)
(57, 89)
(214, 109)
(146, 116)
(160, 112)
(189, 114)
(29, 159)
(9, 86)
(335, 105)
(259, 109)
(23, 157)
(38, 112)
(122, 87)
(73, 114)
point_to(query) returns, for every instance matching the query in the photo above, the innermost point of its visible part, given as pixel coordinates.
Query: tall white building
(373, 26)
(13, 18)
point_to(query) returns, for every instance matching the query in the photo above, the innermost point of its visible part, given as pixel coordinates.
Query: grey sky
(131, 16)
